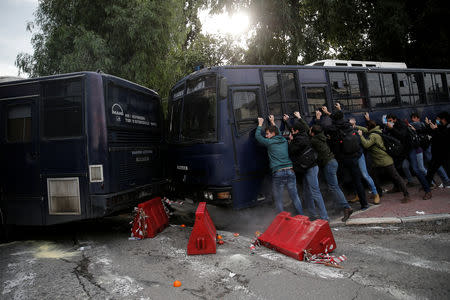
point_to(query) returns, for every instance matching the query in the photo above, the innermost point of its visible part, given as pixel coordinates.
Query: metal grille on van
(64, 196)
(96, 173)
(120, 137)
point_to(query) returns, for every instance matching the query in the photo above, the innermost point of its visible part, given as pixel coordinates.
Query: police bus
(77, 146)
(212, 116)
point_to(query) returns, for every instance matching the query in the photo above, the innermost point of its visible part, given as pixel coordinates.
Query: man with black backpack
(400, 131)
(304, 158)
(345, 145)
(382, 163)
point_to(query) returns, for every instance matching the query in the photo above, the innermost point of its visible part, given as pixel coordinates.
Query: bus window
(448, 83)
(290, 92)
(348, 89)
(408, 87)
(434, 87)
(245, 109)
(19, 123)
(315, 97)
(381, 90)
(199, 121)
(62, 114)
(273, 92)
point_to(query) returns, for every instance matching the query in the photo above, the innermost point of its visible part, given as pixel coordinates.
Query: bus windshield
(193, 117)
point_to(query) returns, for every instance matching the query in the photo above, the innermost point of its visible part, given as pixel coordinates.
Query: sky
(14, 16)
(14, 38)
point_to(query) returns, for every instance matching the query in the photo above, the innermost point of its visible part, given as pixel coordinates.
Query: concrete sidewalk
(392, 211)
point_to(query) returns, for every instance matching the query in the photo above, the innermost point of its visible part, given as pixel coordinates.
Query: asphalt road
(96, 260)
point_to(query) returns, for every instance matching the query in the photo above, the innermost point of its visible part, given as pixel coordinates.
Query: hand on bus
(433, 126)
(272, 119)
(285, 117)
(427, 121)
(366, 116)
(338, 106)
(318, 114)
(297, 115)
(260, 121)
(325, 110)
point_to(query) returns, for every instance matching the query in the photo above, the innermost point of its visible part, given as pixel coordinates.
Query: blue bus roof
(122, 81)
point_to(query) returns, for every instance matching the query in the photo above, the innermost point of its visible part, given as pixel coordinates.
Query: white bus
(358, 63)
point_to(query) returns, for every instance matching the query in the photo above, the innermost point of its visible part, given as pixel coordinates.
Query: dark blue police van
(212, 116)
(77, 146)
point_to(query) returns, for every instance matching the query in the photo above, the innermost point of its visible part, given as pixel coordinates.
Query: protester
(345, 146)
(329, 167)
(439, 144)
(280, 164)
(382, 163)
(425, 155)
(363, 168)
(399, 130)
(303, 157)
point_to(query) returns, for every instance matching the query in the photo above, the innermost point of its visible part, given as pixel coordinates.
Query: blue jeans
(312, 194)
(285, 178)
(329, 170)
(365, 174)
(441, 172)
(412, 158)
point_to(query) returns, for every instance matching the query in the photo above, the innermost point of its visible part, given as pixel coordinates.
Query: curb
(395, 220)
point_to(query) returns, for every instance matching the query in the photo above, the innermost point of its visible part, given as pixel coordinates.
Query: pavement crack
(82, 271)
(354, 272)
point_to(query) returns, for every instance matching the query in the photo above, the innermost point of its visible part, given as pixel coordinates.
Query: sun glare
(236, 24)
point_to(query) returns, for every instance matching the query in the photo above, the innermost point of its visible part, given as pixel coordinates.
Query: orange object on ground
(177, 283)
(182, 225)
(203, 235)
(220, 242)
(219, 237)
(236, 234)
(292, 235)
(151, 219)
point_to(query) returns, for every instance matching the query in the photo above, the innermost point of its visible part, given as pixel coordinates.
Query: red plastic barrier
(292, 235)
(203, 235)
(151, 219)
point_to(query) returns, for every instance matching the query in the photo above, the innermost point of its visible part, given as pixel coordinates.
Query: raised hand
(366, 116)
(260, 121)
(285, 117)
(297, 115)
(272, 119)
(318, 114)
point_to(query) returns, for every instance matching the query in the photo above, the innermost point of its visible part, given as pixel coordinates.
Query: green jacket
(324, 154)
(374, 143)
(277, 149)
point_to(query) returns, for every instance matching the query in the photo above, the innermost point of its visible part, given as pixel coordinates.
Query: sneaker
(405, 199)
(353, 200)
(364, 207)
(376, 199)
(441, 186)
(427, 196)
(347, 213)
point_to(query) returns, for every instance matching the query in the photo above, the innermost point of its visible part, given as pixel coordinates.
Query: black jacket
(400, 132)
(335, 132)
(299, 144)
(440, 142)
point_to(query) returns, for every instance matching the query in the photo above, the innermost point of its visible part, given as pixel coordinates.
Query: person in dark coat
(299, 145)
(399, 130)
(329, 167)
(440, 152)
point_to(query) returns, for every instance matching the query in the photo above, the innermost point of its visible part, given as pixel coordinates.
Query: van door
(19, 155)
(251, 162)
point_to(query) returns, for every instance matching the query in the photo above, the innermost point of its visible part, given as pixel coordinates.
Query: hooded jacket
(324, 154)
(277, 150)
(374, 143)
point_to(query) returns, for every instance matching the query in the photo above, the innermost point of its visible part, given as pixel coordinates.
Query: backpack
(413, 138)
(306, 160)
(394, 147)
(350, 143)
